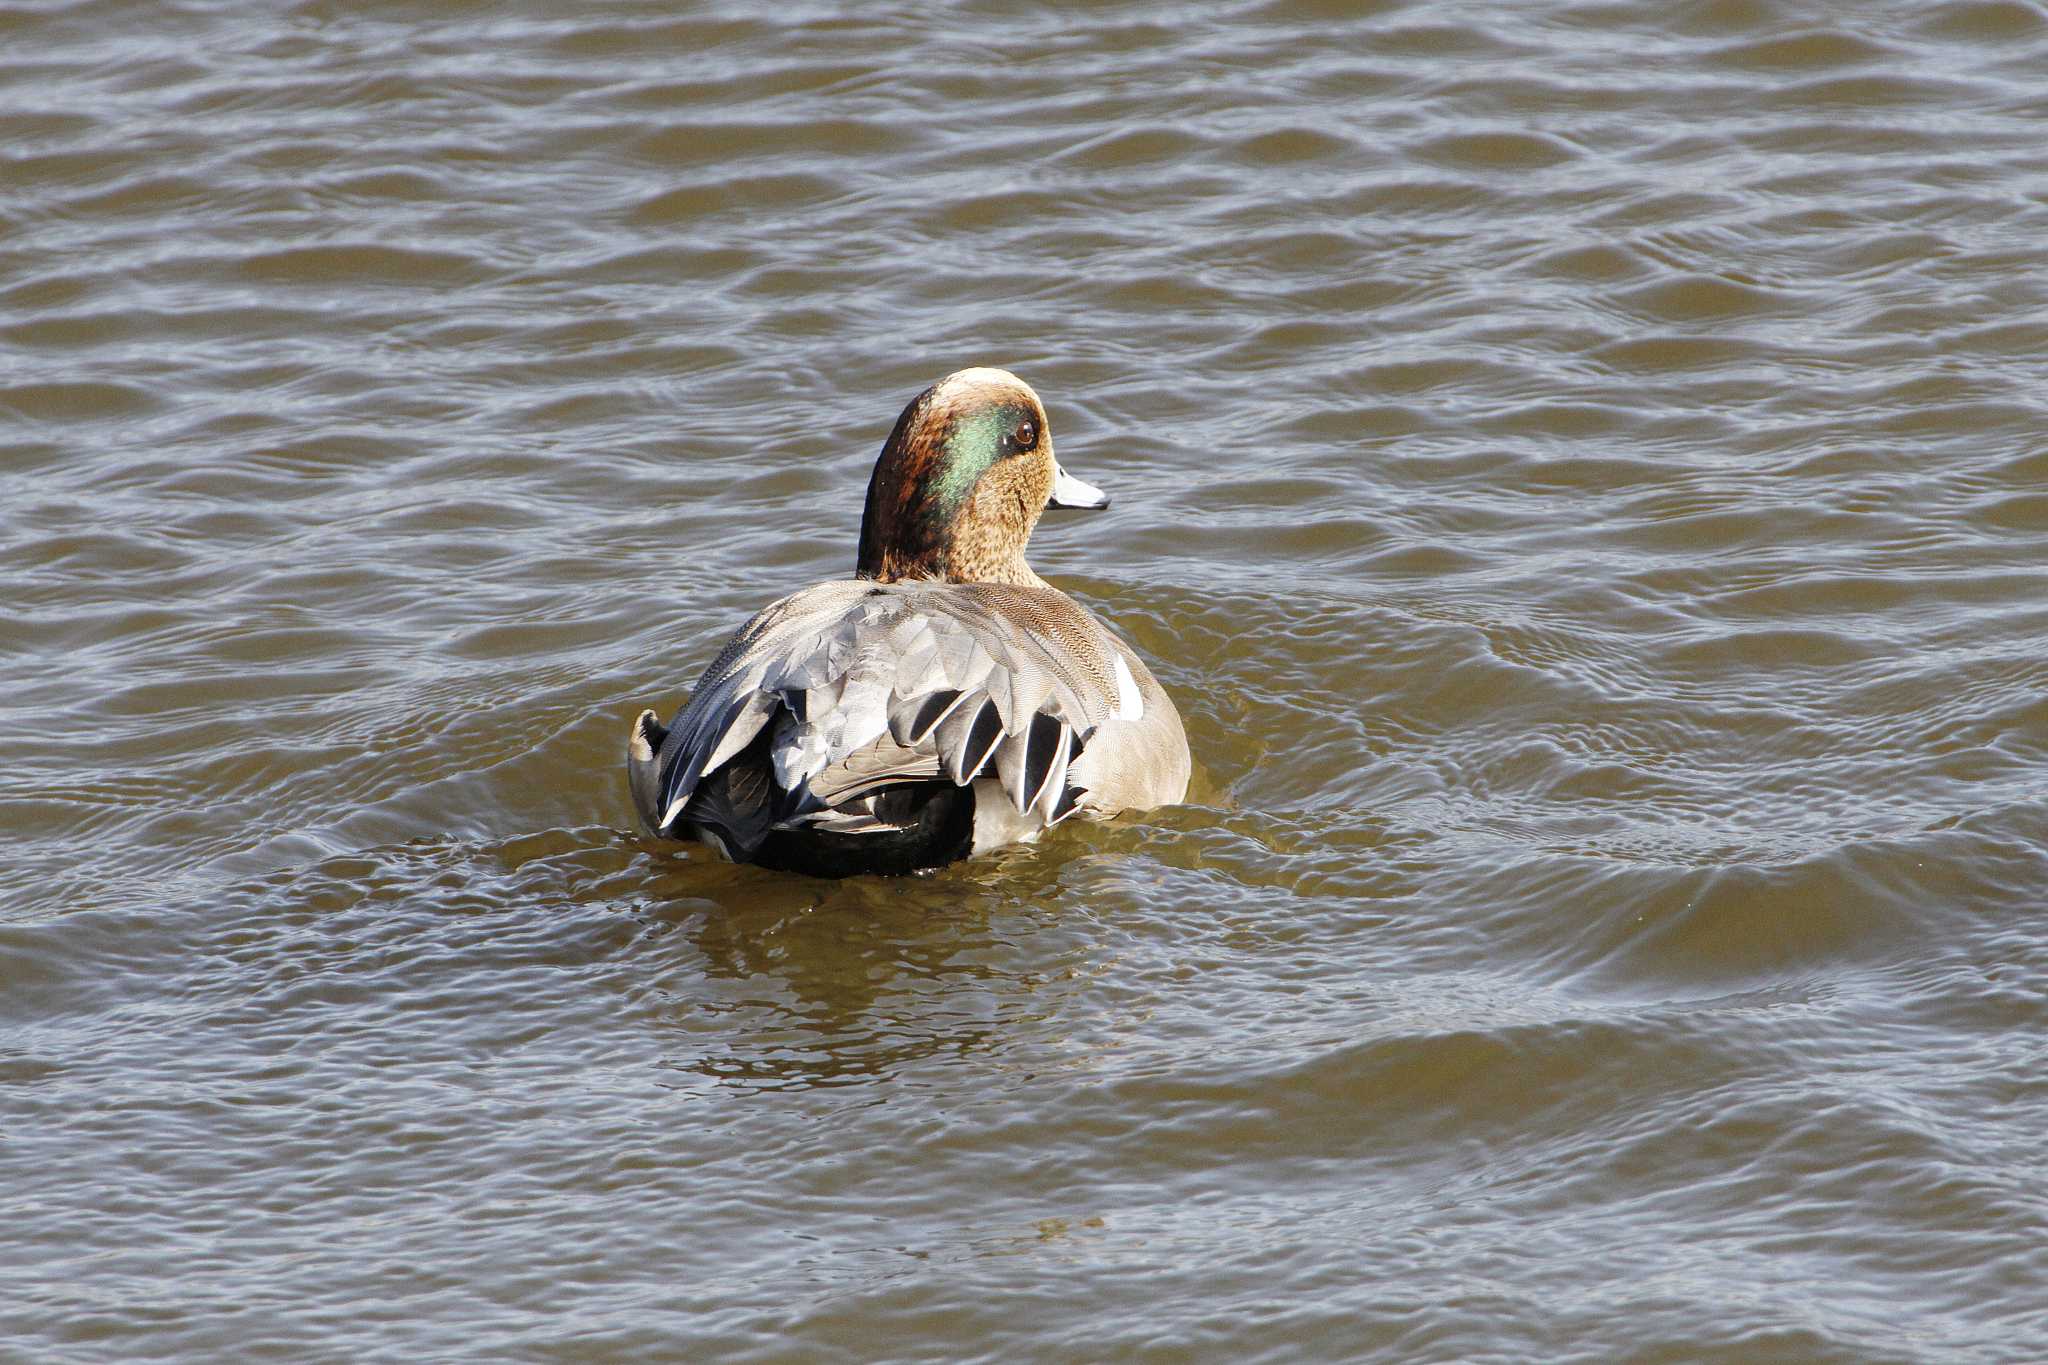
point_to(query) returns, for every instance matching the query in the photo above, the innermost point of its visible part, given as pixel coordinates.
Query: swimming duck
(944, 701)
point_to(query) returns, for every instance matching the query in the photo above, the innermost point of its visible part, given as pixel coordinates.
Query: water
(1581, 469)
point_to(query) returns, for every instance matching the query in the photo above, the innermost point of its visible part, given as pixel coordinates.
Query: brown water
(1582, 469)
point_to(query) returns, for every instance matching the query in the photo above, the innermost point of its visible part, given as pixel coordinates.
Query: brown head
(961, 481)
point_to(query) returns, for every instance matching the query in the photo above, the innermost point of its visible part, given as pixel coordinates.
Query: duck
(942, 702)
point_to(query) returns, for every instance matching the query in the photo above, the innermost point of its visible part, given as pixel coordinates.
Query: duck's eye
(1026, 434)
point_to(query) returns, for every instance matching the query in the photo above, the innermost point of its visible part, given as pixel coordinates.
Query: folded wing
(830, 703)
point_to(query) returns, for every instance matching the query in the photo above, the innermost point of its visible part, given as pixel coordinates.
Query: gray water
(1581, 469)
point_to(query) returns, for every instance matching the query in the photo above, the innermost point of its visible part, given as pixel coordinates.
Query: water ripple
(1577, 468)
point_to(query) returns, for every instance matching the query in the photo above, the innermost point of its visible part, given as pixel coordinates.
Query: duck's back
(884, 727)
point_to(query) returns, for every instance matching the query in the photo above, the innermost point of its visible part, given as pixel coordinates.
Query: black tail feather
(740, 804)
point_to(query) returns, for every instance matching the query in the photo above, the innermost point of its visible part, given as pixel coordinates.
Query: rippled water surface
(1582, 469)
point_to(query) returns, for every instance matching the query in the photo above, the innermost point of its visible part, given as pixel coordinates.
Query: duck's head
(962, 480)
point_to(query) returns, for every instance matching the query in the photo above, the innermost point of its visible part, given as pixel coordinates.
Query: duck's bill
(1068, 491)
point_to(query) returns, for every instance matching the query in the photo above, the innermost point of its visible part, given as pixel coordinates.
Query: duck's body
(945, 702)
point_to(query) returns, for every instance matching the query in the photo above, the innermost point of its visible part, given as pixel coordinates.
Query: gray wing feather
(862, 685)
(913, 718)
(1047, 799)
(870, 769)
(746, 721)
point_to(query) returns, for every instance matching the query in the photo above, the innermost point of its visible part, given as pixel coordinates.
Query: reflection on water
(1580, 472)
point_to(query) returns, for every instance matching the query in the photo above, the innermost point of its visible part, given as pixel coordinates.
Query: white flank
(1130, 705)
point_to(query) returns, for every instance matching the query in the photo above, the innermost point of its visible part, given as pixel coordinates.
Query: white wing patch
(1130, 704)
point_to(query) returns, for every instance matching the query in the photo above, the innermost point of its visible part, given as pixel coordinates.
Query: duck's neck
(959, 564)
(986, 552)
(901, 543)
